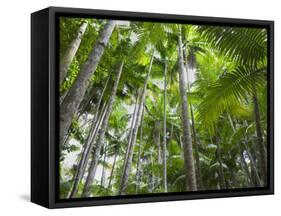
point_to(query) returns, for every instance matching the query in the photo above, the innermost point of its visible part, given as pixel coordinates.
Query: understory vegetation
(149, 107)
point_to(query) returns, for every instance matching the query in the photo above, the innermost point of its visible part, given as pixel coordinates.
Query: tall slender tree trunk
(187, 141)
(165, 133)
(157, 139)
(138, 172)
(100, 141)
(132, 125)
(195, 142)
(103, 166)
(94, 136)
(89, 143)
(171, 136)
(262, 158)
(71, 51)
(221, 171)
(131, 145)
(112, 170)
(75, 95)
(196, 151)
(94, 127)
(86, 151)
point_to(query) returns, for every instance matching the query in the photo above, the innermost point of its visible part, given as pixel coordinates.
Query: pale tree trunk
(157, 139)
(86, 151)
(132, 125)
(112, 170)
(75, 95)
(262, 159)
(100, 141)
(165, 132)
(196, 143)
(95, 135)
(89, 143)
(131, 145)
(187, 141)
(103, 166)
(138, 172)
(71, 51)
(196, 148)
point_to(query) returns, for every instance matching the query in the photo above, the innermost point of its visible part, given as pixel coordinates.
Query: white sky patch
(189, 75)
(123, 23)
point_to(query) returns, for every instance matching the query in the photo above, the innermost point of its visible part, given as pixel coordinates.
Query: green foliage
(230, 67)
(244, 45)
(229, 92)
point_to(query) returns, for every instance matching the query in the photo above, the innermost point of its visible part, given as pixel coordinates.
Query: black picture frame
(45, 107)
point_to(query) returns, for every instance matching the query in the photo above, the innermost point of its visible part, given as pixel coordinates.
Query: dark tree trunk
(131, 145)
(187, 141)
(71, 51)
(221, 171)
(71, 102)
(100, 141)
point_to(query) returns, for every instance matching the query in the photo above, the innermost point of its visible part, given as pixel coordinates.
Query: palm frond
(245, 45)
(229, 90)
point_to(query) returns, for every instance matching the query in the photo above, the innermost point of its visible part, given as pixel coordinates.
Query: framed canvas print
(137, 107)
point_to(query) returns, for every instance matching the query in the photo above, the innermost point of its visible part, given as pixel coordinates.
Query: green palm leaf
(229, 91)
(245, 45)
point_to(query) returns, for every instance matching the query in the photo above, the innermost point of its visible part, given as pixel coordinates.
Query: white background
(15, 107)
